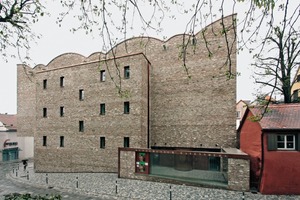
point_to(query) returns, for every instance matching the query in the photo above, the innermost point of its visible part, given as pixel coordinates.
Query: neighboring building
(78, 119)
(296, 87)
(241, 107)
(13, 147)
(273, 144)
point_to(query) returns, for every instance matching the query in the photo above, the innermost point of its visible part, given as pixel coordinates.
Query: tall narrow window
(126, 72)
(102, 75)
(62, 81)
(126, 107)
(126, 142)
(102, 109)
(81, 95)
(62, 141)
(81, 126)
(44, 141)
(45, 84)
(62, 111)
(44, 112)
(102, 142)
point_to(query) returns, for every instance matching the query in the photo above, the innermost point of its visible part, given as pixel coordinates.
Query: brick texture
(194, 109)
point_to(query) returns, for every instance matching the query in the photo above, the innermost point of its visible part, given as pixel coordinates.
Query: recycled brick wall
(81, 151)
(194, 109)
(238, 174)
(26, 96)
(189, 107)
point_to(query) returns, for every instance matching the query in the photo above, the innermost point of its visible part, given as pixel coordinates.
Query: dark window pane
(126, 107)
(81, 95)
(45, 84)
(126, 72)
(280, 137)
(126, 142)
(81, 126)
(290, 138)
(44, 140)
(62, 142)
(102, 75)
(280, 145)
(44, 112)
(62, 111)
(102, 142)
(102, 109)
(62, 82)
(290, 145)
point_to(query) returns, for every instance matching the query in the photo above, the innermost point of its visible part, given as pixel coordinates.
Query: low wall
(236, 168)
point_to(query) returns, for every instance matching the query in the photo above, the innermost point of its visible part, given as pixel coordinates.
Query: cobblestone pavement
(108, 186)
(9, 185)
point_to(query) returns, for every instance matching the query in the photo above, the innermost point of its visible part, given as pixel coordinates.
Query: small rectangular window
(62, 111)
(81, 95)
(126, 142)
(45, 84)
(62, 141)
(102, 75)
(126, 72)
(126, 107)
(286, 142)
(44, 141)
(102, 109)
(298, 78)
(283, 142)
(102, 142)
(62, 82)
(81, 126)
(44, 112)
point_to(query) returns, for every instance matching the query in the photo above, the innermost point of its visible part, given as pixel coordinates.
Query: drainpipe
(148, 99)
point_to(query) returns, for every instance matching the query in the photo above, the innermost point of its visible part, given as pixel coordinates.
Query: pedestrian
(25, 164)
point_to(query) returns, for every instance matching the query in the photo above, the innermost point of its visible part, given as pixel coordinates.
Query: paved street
(88, 186)
(8, 186)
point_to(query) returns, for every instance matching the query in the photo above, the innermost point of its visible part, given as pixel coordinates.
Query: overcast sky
(58, 40)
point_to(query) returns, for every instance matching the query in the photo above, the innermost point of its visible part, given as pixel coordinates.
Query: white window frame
(285, 142)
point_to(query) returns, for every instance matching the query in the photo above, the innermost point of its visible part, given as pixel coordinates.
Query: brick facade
(168, 107)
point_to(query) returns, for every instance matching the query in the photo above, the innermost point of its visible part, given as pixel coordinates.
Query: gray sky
(58, 40)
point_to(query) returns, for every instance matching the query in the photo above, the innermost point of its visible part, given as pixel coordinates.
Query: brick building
(78, 116)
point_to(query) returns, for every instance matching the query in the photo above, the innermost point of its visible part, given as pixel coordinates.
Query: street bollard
(116, 187)
(170, 192)
(16, 173)
(18, 166)
(13, 170)
(47, 179)
(27, 175)
(243, 197)
(77, 182)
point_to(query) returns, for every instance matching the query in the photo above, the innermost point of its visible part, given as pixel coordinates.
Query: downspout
(262, 160)
(148, 115)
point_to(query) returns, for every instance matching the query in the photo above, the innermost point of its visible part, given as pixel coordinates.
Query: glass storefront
(205, 170)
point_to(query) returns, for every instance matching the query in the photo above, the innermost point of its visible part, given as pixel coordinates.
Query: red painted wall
(281, 174)
(250, 143)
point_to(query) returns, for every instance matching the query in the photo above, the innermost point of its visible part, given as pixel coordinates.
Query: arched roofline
(133, 38)
(64, 54)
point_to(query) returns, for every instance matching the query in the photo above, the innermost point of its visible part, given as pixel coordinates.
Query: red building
(273, 144)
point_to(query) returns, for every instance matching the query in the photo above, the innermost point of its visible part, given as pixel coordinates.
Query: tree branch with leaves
(16, 18)
(279, 58)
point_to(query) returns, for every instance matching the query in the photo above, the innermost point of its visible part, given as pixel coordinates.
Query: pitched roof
(9, 121)
(279, 116)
